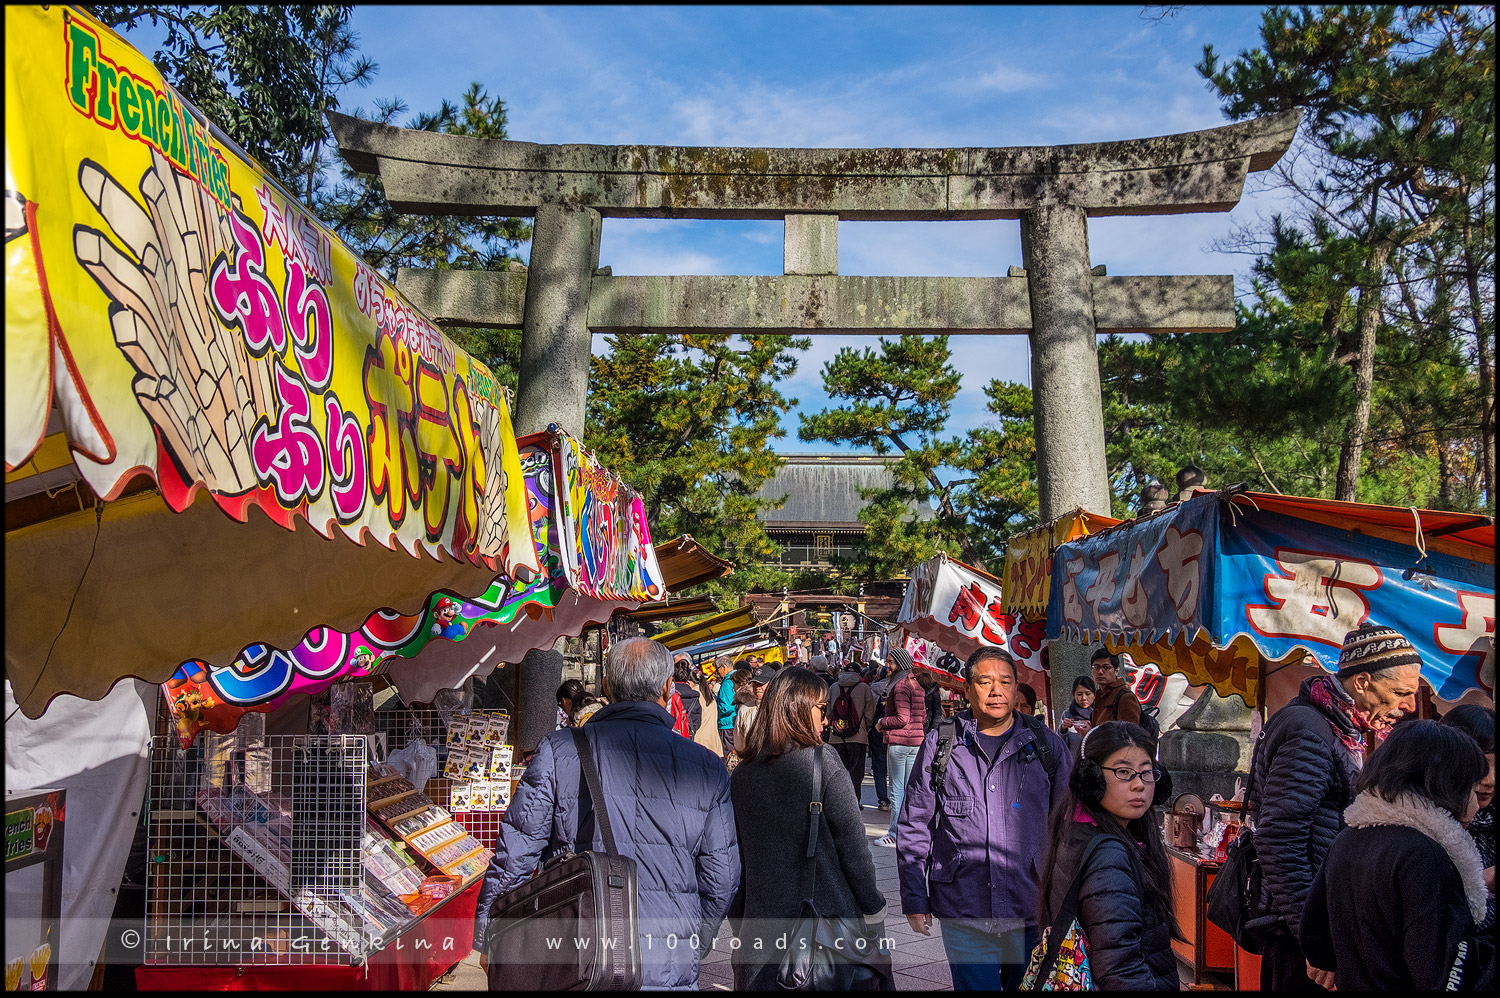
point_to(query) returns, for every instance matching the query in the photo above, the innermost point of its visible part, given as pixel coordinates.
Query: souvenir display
(500, 762)
(453, 852)
(383, 771)
(410, 804)
(412, 824)
(434, 837)
(471, 866)
(389, 790)
(458, 729)
(458, 762)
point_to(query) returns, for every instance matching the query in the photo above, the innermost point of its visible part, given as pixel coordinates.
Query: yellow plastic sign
(192, 321)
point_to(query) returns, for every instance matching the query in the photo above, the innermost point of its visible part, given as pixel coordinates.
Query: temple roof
(822, 490)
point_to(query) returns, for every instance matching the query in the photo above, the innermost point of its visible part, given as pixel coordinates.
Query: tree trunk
(1364, 374)
(1482, 332)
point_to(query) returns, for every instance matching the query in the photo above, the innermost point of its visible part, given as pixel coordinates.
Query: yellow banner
(193, 322)
(1237, 668)
(1027, 583)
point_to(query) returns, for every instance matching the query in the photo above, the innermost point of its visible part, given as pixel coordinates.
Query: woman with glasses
(1125, 888)
(771, 790)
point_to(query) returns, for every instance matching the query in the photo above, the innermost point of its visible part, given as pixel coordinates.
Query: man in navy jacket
(970, 855)
(668, 800)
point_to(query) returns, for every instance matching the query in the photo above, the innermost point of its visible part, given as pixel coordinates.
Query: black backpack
(948, 732)
(1151, 721)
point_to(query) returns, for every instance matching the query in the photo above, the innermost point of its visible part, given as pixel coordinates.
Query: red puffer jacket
(905, 717)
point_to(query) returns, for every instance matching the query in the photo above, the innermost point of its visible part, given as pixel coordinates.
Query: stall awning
(1028, 559)
(721, 625)
(958, 608)
(319, 449)
(686, 563)
(654, 612)
(1218, 586)
(453, 638)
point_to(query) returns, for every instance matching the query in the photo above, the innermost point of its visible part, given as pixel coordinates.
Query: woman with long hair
(1125, 888)
(771, 790)
(1395, 904)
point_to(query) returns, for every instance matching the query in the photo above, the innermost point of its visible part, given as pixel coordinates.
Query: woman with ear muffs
(1125, 891)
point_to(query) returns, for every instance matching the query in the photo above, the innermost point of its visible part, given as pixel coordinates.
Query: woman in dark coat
(771, 790)
(1402, 887)
(1125, 896)
(1479, 724)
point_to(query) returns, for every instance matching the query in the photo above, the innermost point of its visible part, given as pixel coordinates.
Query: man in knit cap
(1302, 778)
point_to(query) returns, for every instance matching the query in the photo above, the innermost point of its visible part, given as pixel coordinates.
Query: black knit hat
(1371, 647)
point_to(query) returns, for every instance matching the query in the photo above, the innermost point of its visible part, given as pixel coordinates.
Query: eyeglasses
(822, 708)
(1146, 775)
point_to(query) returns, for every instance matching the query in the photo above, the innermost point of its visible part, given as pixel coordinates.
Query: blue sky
(839, 77)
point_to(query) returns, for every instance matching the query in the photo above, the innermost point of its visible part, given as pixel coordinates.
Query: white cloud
(1010, 80)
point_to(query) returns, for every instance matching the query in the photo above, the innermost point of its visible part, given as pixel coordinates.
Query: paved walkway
(918, 961)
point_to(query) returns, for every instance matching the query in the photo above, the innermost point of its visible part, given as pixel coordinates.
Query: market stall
(193, 366)
(596, 557)
(1231, 586)
(434, 782)
(176, 320)
(951, 610)
(1249, 593)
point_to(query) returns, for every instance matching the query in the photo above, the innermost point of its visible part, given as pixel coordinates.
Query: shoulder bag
(1237, 901)
(1060, 961)
(830, 954)
(588, 896)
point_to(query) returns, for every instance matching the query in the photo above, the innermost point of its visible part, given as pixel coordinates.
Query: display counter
(300, 861)
(412, 961)
(1204, 947)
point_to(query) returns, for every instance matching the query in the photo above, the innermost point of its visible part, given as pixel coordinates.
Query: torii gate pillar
(1069, 422)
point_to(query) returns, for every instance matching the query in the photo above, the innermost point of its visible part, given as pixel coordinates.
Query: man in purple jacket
(970, 853)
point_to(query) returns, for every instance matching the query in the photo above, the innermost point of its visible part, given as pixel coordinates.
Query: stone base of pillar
(1210, 747)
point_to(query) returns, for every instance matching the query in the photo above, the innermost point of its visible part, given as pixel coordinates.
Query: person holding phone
(1077, 717)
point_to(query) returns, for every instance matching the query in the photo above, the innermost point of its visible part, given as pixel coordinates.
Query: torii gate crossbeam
(1057, 299)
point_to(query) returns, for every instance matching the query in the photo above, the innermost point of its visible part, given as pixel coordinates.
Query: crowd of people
(1374, 829)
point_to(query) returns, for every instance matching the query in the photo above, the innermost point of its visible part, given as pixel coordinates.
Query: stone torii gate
(1057, 298)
